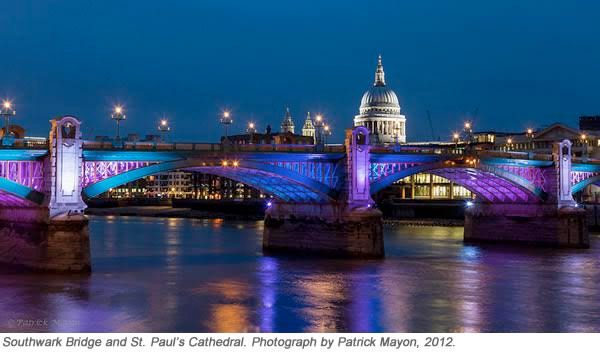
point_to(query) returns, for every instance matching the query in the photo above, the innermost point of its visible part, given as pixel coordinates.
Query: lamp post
(251, 130)
(319, 130)
(530, 133)
(164, 128)
(118, 115)
(226, 120)
(326, 132)
(468, 130)
(584, 144)
(7, 111)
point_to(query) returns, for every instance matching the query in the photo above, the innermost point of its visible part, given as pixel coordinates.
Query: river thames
(194, 275)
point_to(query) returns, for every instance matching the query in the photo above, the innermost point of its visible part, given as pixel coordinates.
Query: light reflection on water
(153, 274)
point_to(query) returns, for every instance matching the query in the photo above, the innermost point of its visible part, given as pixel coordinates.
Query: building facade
(308, 129)
(380, 112)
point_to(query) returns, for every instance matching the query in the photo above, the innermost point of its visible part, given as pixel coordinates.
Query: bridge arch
(15, 194)
(490, 183)
(274, 180)
(577, 187)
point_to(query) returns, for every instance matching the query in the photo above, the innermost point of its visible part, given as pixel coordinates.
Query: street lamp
(118, 115)
(226, 120)
(530, 132)
(7, 111)
(584, 144)
(468, 131)
(318, 130)
(251, 128)
(326, 132)
(164, 128)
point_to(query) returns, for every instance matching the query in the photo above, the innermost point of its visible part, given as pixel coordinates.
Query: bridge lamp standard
(118, 115)
(584, 142)
(7, 111)
(530, 132)
(326, 132)
(509, 142)
(226, 120)
(456, 139)
(164, 128)
(319, 129)
(468, 130)
(251, 130)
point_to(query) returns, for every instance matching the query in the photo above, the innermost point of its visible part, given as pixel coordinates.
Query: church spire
(287, 125)
(379, 74)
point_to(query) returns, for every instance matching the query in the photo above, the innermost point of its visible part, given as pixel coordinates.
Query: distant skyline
(520, 63)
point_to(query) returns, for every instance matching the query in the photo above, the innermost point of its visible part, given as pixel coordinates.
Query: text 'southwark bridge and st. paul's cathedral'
(323, 193)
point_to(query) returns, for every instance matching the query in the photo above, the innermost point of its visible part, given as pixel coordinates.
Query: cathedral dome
(380, 112)
(379, 98)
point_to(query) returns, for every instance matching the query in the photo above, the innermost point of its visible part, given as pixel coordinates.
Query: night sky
(521, 63)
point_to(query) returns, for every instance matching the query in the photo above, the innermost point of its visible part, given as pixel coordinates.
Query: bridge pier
(348, 226)
(31, 239)
(555, 221)
(329, 229)
(52, 235)
(537, 224)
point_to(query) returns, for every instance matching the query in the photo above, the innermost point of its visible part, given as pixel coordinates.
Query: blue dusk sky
(521, 63)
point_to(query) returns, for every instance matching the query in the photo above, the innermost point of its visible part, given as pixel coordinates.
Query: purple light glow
(488, 186)
(7, 199)
(94, 171)
(26, 173)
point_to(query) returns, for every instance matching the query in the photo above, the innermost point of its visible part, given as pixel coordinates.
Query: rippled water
(154, 274)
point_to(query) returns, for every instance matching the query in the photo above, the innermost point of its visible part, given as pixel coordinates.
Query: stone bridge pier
(553, 221)
(348, 226)
(52, 233)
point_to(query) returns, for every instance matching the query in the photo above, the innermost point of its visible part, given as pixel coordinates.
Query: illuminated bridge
(323, 193)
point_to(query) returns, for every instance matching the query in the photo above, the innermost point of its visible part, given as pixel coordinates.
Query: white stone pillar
(66, 160)
(565, 195)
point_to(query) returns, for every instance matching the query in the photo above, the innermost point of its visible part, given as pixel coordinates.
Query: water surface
(174, 275)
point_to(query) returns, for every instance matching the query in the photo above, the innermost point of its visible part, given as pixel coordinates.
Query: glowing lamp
(469, 204)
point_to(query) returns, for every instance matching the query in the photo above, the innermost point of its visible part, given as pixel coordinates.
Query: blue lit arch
(274, 180)
(12, 193)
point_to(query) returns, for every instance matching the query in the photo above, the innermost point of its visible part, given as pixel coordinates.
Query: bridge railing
(516, 155)
(27, 143)
(211, 147)
(418, 150)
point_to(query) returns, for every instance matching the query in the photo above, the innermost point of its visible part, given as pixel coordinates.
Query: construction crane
(430, 125)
